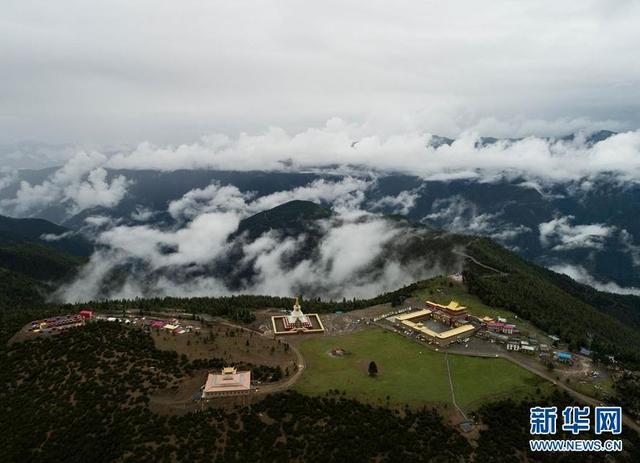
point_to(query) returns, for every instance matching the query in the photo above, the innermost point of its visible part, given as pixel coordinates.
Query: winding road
(582, 398)
(301, 365)
(267, 388)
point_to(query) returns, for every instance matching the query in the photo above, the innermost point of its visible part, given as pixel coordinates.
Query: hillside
(32, 267)
(91, 403)
(607, 323)
(291, 219)
(551, 302)
(44, 233)
(29, 272)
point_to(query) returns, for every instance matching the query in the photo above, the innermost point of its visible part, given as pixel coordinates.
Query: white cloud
(83, 182)
(581, 275)
(7, 177)
(215, 197)
(402, 203)
(459, 215)
(408, 151)
(211, 198)
(54, 237)
(196, 243)
(177, 262)
(80, 184)
(142, 214)
(134, 70)
(561, 235)
(630, 247)
(96, 190)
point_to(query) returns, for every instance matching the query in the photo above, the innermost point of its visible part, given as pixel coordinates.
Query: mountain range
(33, 270)
(587, 229)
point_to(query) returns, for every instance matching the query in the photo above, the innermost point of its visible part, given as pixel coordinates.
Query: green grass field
(408, 372)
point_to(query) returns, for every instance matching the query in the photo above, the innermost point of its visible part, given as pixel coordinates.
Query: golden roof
(443, 335)
(229, 371)
(453, 305)
(414, 314)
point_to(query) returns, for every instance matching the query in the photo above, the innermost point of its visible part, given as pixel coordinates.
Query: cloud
(459, 215)
(54, 237)
(96, 191)
(142, 214)
(87, 179)
(7, 177)
(402, 203)
(195, 243)
(211, 198)
(216, 197)
(355, 255)
(628, 244)
(535, 159)
(133, 70)
(560, 235)
(581, 275)
(80, 184)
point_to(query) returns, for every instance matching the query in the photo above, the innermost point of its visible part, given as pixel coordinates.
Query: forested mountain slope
(550, 301)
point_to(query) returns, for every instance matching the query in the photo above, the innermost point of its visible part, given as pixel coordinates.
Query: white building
(229, 382)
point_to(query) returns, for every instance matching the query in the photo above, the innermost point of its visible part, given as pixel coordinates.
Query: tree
(373, 368)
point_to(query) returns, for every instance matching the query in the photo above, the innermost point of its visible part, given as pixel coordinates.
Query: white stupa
(297, 315)
(297, 322)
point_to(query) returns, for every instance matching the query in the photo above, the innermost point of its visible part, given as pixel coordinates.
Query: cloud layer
(80, 184)
(83, 182)
(581, 275)
(138, 70)
(354, 256)
(408, 152)
(560, 235)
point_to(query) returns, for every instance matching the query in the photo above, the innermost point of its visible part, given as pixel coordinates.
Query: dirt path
(281, 385)
(541, 372)
(477, 262)
(453, 394)
(627, 420)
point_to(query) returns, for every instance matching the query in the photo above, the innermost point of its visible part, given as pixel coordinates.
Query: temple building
(297, 322)
(439, 324)
(229, 382)
(452, 313)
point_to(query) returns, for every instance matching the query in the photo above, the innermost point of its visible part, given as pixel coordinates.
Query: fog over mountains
(172, 217)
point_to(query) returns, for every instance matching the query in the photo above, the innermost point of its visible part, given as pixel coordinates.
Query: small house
(565, 357)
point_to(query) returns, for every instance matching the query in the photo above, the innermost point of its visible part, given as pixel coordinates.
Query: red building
(86, 314)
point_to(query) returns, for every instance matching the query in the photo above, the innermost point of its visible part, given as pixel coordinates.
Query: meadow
(409, 373)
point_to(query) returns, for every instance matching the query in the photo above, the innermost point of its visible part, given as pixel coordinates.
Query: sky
(119, 73)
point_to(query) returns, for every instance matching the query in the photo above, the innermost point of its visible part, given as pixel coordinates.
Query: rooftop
(414, 314)
(229, 380)
(452, 306)
(444, 335)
